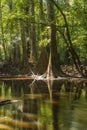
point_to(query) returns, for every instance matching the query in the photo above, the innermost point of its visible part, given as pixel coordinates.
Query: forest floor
(11, 69)
(8, 69)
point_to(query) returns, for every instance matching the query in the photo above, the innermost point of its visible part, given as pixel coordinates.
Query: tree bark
(53, 69)
(33, 32)
(42, 63)
(2, 32)
(41, 66)
(75, 56)
(24, 44)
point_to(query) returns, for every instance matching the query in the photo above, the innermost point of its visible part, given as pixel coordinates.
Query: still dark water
(39, 105)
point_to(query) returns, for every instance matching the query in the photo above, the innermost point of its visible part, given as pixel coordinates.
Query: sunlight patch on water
(21, 124)
(35, 96)
(61, 107)
(28, 116)
(5, 127)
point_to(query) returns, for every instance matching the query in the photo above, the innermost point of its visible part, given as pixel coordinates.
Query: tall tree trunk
(53, 69)
(28, 31)
(51, 63)
(12, 48)
(24, 46)
(33, 32)
(42, 63)
(41, 14)
(2, 31)
(75, 56)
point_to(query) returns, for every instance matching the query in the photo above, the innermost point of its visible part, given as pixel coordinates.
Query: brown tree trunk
(75, 56)
(42, 63)
(53, 69)
(49, 63)
(33, 32)
(24, 44)
(2, 31)
(41, 66)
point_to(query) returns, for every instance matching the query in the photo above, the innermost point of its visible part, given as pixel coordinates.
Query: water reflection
(43, 105)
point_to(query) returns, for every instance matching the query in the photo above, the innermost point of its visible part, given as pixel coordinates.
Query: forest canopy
(45, 33)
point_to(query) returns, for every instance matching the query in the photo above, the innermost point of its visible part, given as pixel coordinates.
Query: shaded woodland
(44, 37)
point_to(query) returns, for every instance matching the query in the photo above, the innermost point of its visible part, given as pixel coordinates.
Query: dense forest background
(43, 34)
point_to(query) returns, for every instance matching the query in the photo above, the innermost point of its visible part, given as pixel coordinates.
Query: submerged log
(4, 102)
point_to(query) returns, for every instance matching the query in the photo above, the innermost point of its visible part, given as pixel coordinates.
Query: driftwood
(4, 102)
(41, 77)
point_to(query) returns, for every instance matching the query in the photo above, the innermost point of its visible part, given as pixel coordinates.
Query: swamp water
(43, 105)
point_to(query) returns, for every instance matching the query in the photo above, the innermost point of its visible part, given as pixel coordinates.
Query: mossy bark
(53, 69)
(50, 66)
(42, 62)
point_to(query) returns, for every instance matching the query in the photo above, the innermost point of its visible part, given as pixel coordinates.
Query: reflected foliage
(43, 105)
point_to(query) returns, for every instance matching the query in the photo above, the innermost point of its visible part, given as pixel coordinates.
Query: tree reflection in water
(44, 105)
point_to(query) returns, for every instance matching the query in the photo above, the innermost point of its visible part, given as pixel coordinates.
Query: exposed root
(45, 76)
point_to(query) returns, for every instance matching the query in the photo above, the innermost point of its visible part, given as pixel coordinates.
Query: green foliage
(17, 12)
(44, 43)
